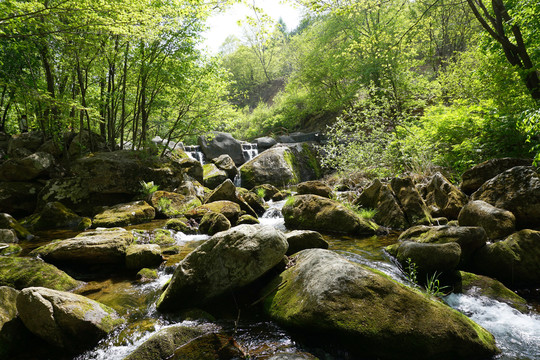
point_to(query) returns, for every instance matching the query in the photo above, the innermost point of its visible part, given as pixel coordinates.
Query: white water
(516, 334)
(273, 216)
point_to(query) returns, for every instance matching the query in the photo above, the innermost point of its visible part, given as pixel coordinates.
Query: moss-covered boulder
(105, 247)
(55, 215)
(211, 346)
(516, 190)
(230, 209)
(247, 220)
(23, 272)
(225, 162)
(312, 212)
(412, 204)
(304, 239)
(212, 223)
(68, 321)
(229, 260)
(380, 197)
(443, 198)
(147, 275)
(8, 222)
(479, 285)
(325, 295)
(8, 305)
(161, 237)
(26, 169)
(213, 176)
(498, 223)
(19, 198)
(267, 191)
(9, 249)
(170, 204)
(182, 225)
(315, 187)
(136, 212)
(473, 178)
(514, 261)
(143, 256)
(227, 191)
(254, 201)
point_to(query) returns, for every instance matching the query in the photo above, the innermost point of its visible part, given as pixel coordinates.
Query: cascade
(250, 151)
(194, 152)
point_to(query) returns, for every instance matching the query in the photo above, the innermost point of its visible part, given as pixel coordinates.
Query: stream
(517, 334)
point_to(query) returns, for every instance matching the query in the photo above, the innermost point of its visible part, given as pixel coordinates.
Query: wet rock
(327, 296)
(26, 169)
(231, 210)
(429, 258)
(514, 261)
(212, 346)
(161, 237)
(411, 202)
(312, 212)
(247, 220)
(19, 198)
(9, 249)
(213, 176)
(68, 321)
(229, 260)
(147, 275)
(219, 143)
(170, 204)
(473, 178)
(314, 187)
(254, 201)
(212, 223)
(443, 198)
(516, 190)
(8, 222)
(304, 239)
(182, 225)
(23, 272)
(225, 162)
(54, 215)
(497, 223)
(143, 256)
(125, 214)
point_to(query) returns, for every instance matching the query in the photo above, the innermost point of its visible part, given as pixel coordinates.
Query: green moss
(312, 160)
(10, 249)
(292, 161)
(162, 237)
(493, 289)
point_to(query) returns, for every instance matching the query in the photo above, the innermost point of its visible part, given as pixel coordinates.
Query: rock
(143, 256)
(266, 190)
(86, 142)
(429, 258)
(380, 197)
(497, 223)
(170, 204)
(304, 239)
(225, 162)
(231, 210)
(213, 176)
(516, 190)
(26, 169)
(247, 220)
(373, 316)
(102, 247)
(469, 238)
(19, 198)
(264, 143)
(314, 187)
(212, 223)
(219, 143)
(227, 191)
(479, 285)
(282, 195)
(29, 141)
(312, 212)
(442, 198)
(125, 214)
(191, 189)
(254, 201)
(22, 272)
(68, 321)
(411, 202)
(8, 222)
(211, 346)
(8, 236)
(147, 275)
(229, 260)
(56, 216)
(163, 344)
(181, 225)
(472, 179)
(51, 147)
(514, 261)
(161, 237)
(8, 306)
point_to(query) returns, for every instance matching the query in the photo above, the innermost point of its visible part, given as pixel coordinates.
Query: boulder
(170, 204)
(472, 179)
(191, 189)
(314, 187)
(68, 321)
(254, 201)
(8, 306)
(26, 169)
(125, 214)
(143, 256)
(30, 141)
(213, 176)
(443, 198)
(411, 202)
(380, 197)
(247, 220)
(101, 247)
(211, 346)
(231, 210)
(161, 237)
(22, 272)
(229, 260)
(429, 258)
(267, 191)
(55, 215)
(265, 143)
(312, 212)
(514, 261)
(8, 236)
(8, 222)
(341, 302)
(219, 143)
(516, 190)
(498, 223)
(182, 225)
(469, 238)
(162, 344)
(225, 162)
(304, 239)
(212, 223)
(227, 191)
(86, 142)
(19, 198)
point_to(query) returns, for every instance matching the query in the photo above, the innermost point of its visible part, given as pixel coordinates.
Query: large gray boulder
(473, 178)
(229, 260)
(497, 223)
(26, 169)
(429, 258)
(68, 321)
(219, 143)
(443, 198)
(373, 316)
(516, 190)
(312, 212)
(265, 143)
(304, 239)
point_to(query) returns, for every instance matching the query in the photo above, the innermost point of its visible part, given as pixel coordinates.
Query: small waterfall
(238, 180)
(250, 151)
(194, 152)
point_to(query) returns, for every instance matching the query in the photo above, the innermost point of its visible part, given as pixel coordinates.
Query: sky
(226, 23)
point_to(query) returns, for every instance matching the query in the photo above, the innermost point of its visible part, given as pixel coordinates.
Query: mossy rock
(213, 176)
(162, 237)
(55, 215)
(212, 223)
(247, 219)
(276, 166)
(169, 204)
(231, 210)
(182, 225)
(211, 346)
(147, 275)
(9, 249)
(23, 272)
(142, 256)
(125, 214)
(8, 222)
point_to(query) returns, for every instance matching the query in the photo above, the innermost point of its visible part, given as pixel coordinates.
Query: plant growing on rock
(147, 189)
(261, 193)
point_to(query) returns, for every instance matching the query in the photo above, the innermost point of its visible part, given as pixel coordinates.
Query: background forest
(397, 85)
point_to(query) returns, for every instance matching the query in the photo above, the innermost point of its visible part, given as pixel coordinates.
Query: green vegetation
(147, 189)
(261, 193)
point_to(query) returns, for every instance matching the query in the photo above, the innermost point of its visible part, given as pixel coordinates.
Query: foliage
(261, 193)
(433, 285)
(147, 189)
(411, 271)
(530, 125)
(289, 201)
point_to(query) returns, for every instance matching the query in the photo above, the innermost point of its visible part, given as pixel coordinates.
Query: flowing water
(517, 334)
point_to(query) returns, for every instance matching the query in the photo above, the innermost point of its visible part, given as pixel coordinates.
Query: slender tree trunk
(123, 110)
